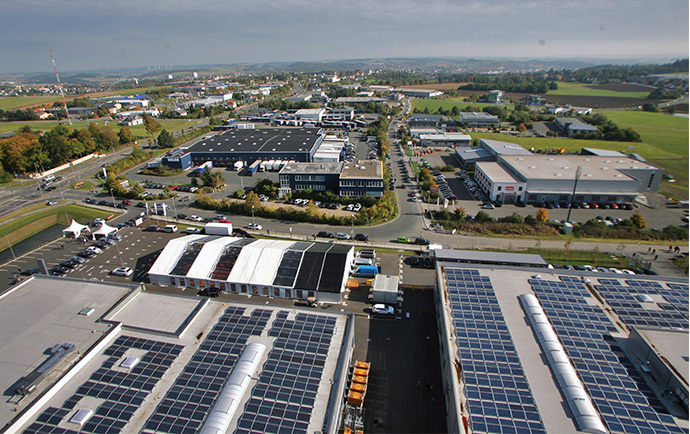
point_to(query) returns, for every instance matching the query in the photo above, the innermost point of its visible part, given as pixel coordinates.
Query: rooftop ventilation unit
(81, 416)
(129, 362)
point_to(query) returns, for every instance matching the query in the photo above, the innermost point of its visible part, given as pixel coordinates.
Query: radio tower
(64, 104)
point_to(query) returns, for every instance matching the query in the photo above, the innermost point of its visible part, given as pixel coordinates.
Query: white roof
(105, 230)
(206, 261)
(74, 228)
(269, 260)
(171, 254)
(247, 261)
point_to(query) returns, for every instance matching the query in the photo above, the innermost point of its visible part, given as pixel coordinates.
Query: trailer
(269, 165)
(202, 168)
(254, 167)
(262, 166)
(276, 165)
(238, 165)
(218, 229)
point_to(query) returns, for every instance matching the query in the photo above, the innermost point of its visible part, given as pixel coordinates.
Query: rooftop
(565, 166)
(672, 345)
(369, 169)
(477, 116)
(137, 380)
(316, 168)
(504, 148)
(496, 172)
(260, 140)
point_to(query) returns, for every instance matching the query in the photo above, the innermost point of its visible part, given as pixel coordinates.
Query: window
(596, 198)
(563, 197)
(519, 188)
(532, 197)
(276, 292)
(499, 188)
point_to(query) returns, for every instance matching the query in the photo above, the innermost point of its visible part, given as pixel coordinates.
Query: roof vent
(532, 167)
(81, 416)
(620, 161)
(559, 174)
(607, 161)
(565, 167)
(129, 362)
(521, 159)
(362, 167)
(604, 168)
(589, 175)
(587, 159)
(618, 175)
(550, 159)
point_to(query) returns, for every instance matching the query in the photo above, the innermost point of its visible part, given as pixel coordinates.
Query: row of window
(348, 183)
(315, 187)
(314, 178)
(239, 288)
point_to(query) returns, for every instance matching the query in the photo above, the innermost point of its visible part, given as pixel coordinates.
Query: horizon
(90, 36)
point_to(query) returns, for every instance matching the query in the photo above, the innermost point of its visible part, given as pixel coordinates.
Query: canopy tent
(104, 231)
(74, 229)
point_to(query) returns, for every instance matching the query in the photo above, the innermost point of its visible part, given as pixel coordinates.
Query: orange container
(355, 398)
(362, 365)
(361, 372)
(359, 387)
(359, 379)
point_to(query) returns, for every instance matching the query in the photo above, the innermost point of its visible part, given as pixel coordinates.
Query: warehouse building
(268, 268)
(450, 140)
(550, 178)
(525, 353)
(129, 360)
(478, 120)
(419, 93)
(488, 150)
(249, 145)
(346, 179)
(421, 120)
(571, 126)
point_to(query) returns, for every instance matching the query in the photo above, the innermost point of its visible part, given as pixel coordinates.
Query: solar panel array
(312, 267)
(284, 396)
(184, 263)
(228, 258)
(634, 311)
(621, 396)
(289, 265)
(499, 399)
(191, 397)
(122, 392)
(336, 259)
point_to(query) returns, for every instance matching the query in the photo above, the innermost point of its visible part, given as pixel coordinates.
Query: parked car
(255, 226)
(324, 234)
(342, 236)
(86, 254)
(151, 228)
(422, 241)
(122, 271)
(382, 309)
(195, 218)
(96, 250)
(191, 231)
(361, 237)
(403, 240)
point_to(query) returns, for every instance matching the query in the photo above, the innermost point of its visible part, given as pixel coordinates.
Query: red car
(593, 205)
(614, 206)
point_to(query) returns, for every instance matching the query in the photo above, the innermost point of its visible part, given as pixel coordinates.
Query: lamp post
(253, 221)
(352, 225)
(112, 197)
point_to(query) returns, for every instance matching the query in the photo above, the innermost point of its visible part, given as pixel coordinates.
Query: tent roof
(75, 228)
(105, 230)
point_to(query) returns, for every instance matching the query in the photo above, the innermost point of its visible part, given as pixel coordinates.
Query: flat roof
(485, 298)
(504, 148)
(496, 172)
(363, 169)
(445, 136)
(266, 140)
(477, 116)
(477, 256)
(308, 168)
(671, 345)
(43, 311)
(603, 152)
(177, 380)
(565, 166)
(472, 153)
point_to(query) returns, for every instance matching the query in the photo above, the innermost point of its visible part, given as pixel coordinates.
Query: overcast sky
(94, 34)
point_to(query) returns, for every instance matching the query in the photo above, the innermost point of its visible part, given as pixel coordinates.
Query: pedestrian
(649, 249)
(653, 251)
(656, 257)
(268, 232)
(670, 247)
(19, 269)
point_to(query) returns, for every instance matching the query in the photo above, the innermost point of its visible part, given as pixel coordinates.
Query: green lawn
(660, 130)
(171, 125)
(580, 89)
(433, 105)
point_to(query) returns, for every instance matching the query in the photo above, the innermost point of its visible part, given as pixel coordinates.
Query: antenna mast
(64, 104)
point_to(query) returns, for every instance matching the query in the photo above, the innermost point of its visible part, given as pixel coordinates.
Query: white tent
(74, 229)
(104, 231)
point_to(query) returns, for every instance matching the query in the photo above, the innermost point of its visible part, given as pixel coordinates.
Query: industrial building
(549, 178)
(571, 126)
(129, 360)
(478, 120)
(250, 145)
(450, 140)
(421, 120)
(488, 150)
(419, 93)
(527, 353)
(269, 268)
(347, 179)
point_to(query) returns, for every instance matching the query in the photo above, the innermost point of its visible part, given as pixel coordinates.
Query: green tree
(165, 139)
(483, 217)
(151, 126)
(125, 136)
(638, 220)
(460, 213)
(542, 215)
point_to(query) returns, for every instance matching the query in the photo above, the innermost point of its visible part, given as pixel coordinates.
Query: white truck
(238, 165)
(276, 165)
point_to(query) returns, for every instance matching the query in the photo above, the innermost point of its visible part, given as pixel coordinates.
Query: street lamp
(253, 221)
(112, 197)
(352, 225)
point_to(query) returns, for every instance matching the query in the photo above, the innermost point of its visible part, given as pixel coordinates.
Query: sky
(97, 34)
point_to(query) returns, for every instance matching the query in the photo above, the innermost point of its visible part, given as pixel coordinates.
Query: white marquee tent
(74, 229)
(104, 231)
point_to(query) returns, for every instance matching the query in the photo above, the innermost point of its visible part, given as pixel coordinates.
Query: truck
(269, 165)
(199, 170)
(276, 165)
(262, 166)
(254, 167)
(238, 165)
(218, 229)
(367, 270)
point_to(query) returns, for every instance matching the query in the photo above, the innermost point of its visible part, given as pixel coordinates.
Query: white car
(254, 226)
(195, 218)
(122, 271)
(630, 272)
(191, 231)
(382, 309)
(94, 249)
(342, 236)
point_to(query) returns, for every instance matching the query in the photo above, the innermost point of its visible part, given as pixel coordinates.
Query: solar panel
(336, 259)
(499, 398)
(622, 398)
(312, 265)
(122, 392)
(187, 259)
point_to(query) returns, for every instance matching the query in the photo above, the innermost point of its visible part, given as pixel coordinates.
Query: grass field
(580, 89)
(433, 105)
(171, 125)
(13, 103)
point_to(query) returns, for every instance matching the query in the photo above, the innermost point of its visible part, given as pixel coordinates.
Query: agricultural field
(433, 105)
(616, 90)
(23, 102)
